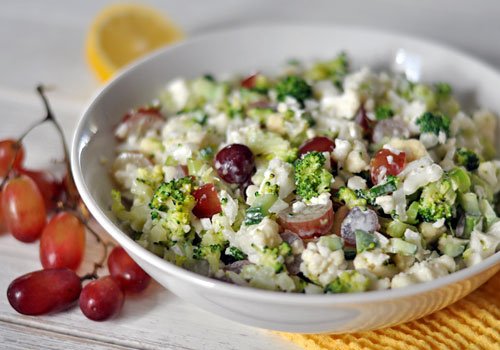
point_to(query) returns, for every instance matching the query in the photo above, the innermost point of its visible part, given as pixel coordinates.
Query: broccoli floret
(348, 282)
(384, 112)
(434, 123)
(443, 90)
(295, 87)
(335, 69)
(236, 253)
(467, 158)
(174, 198)
(350, 198)
(437, 200)
(275, 257)
(311, 177)
(210, 253)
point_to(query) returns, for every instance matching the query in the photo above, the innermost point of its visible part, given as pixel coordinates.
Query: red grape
(62, 242)
(384, 163)
(317, 144)
(130, 276)
(101, 299)
(44, 291)
(7, 154)
(47, 183)
(314, 220)
(235, 163)
(207, 202)
(2, 223)
(23, 208)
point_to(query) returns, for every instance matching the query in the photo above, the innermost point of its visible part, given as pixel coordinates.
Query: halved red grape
(317, 144)
(207, 202)
(385, 162)
(23, 208)
(235, 163)
(7, 154)
(126, 272)
(101, 299)
(139, 121)
(44, 291)
(249, 81)
(314, 220)
(62, 243)
(340, 215)
(49, 186)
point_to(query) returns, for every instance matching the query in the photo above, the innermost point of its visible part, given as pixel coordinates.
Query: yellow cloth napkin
(470, 323)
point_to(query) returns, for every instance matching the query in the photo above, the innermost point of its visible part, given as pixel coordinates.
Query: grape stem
(70, 186)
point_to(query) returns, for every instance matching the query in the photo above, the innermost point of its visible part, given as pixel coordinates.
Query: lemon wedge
(122, 33)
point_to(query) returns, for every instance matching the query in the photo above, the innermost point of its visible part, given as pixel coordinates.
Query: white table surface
(42, 41)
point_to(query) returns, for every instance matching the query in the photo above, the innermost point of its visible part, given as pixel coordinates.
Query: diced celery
(470, 203)
(471, 221)
(194, 166)
(460, 179)
(332, 242)
(365, 241)
(399, 246)
(259, 209)
(453, 250)
(412, 213)
(396, 228)
(489, 214)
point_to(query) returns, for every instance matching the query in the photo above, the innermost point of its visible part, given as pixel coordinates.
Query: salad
(320, 179)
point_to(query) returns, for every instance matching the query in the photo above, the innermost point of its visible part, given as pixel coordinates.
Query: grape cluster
(37, 205)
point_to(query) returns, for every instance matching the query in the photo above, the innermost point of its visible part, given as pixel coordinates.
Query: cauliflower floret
(386, 203)
(320, 264)
(229, 206)
(414, 149)
(280, 173)
(424, 271)
(420, 177)
(481, 246)
(341, 151)
(253, 239)
(374, 261)
(341, 106)
(356, 183)
(179, 92)
(358, 159)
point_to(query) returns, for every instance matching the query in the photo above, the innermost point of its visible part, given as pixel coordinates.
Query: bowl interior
(244, 51)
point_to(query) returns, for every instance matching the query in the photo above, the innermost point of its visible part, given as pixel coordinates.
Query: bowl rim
(248, 292)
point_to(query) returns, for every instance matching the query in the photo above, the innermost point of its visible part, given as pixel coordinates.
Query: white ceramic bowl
(268, 47)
